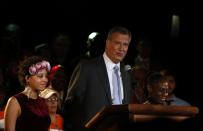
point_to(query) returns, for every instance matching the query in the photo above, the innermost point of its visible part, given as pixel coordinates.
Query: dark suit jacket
(89, 89)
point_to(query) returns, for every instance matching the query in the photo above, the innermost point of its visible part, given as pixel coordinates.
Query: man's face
(171, 84)
(117, 46)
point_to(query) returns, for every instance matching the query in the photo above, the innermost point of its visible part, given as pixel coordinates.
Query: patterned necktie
(116, 87)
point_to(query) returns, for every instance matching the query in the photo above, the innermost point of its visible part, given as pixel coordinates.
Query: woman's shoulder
(12, 99)
(12, 104)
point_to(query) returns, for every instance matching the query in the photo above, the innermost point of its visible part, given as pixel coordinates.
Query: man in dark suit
(91, 87)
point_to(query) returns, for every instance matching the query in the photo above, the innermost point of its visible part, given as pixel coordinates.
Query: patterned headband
(35, 68)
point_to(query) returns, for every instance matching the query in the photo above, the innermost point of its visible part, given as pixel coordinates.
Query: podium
(118, 117)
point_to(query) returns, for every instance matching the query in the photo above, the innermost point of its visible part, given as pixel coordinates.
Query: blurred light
(12, 27)
(93, 35)
(37, 47)
(175, 25)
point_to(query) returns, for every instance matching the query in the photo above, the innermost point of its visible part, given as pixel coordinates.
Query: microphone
(127, 68)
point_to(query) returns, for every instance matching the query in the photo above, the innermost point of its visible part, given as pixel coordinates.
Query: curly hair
(25, 65)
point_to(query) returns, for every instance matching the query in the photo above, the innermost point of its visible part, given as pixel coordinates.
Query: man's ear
(107, 43)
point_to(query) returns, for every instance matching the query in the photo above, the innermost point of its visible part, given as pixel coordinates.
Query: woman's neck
(30, 93)
(53, 118)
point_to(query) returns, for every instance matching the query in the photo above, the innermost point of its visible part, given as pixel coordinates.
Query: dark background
(40, 20)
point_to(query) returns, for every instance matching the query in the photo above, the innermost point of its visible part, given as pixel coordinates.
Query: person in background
(63, 52)
(59, 82)
(141, 67)
(51, 96)
(26, 111)
(143, 59)
(157, 89)
(172, 98)
(139, 74)
(91, 86)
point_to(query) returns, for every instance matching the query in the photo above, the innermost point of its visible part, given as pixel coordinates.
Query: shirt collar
(109, 62)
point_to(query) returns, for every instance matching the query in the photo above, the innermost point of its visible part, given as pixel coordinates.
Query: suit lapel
(103, 76)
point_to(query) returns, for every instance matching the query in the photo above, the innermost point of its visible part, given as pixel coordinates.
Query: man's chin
(119, 59)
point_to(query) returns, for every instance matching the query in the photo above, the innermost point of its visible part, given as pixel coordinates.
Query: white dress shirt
(109, 66)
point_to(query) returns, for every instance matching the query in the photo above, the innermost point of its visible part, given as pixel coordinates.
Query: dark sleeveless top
(34, 114)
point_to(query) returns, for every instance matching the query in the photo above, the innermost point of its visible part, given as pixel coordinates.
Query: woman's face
(39, 81)
(52, 103)
(159, 91)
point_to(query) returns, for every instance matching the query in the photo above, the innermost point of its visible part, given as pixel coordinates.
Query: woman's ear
(27, 77)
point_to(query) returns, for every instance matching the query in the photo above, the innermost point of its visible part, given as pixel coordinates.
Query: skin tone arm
(12, 111)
